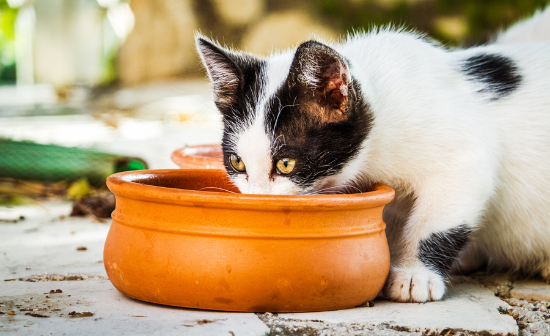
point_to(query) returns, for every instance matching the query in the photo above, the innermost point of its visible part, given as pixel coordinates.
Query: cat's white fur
(462, 157)
(533, 29)
(466, 158)
(255, 146)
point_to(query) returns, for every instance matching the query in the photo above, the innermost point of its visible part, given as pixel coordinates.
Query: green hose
(30, 161)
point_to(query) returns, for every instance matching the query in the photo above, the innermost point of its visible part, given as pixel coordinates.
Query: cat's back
(512, 84)
(387, 54)
(504, 73)
(404, 70)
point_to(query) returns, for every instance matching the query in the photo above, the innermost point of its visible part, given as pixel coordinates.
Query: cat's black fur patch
(242, 112)
(248, 70)
(440, 249)
(320, 148)
(498, 73)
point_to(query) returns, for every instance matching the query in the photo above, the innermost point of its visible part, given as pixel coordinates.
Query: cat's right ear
(224, 73)
(324, 73)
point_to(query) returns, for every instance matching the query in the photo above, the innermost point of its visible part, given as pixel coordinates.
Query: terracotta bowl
(176, 240)
(197, 157)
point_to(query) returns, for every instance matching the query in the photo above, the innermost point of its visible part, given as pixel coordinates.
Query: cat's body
(463, 137)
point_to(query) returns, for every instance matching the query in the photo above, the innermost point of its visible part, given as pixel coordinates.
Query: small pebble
(81, 314)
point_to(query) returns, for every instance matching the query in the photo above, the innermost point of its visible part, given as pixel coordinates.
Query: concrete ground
(53, 282)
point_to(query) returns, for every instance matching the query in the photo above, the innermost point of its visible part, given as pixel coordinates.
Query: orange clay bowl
(176, 240)
(197, 157)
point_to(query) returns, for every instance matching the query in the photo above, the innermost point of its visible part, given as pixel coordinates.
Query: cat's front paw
(414, 285)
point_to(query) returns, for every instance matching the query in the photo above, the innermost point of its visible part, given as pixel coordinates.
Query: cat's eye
(286, 166)
(237, 163)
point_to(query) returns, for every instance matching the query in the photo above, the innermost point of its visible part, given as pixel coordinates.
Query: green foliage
(79, 188)
(9, 200)
(7, 42)
(452, 22)
(490, 15)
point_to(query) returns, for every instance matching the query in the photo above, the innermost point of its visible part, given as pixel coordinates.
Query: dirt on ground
(532, 317)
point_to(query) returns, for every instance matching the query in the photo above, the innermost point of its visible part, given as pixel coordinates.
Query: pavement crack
(58, 277)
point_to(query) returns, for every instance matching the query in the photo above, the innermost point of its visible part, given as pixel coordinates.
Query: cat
(463, 136)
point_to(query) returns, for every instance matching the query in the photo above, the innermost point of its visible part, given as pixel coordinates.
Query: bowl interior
(197, 180)
(212, 187)
(208, 180)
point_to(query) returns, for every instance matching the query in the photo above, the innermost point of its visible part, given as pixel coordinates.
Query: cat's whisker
(203, 189)
(277, 118)
(325, 193)
(346, 186)
(195, 98)
(340, 190)
(277, 139)
(202, 102)
(279, 113)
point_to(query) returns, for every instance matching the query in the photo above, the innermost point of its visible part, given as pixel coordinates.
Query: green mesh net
(31, 161)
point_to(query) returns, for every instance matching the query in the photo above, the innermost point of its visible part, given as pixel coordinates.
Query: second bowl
(199, 157)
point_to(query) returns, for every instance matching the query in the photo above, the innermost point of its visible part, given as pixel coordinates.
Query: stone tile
(46, 241)
(113, 313)
(467, 306)
(45, 244)
(531, 290)
(531, 316)
(499, 283)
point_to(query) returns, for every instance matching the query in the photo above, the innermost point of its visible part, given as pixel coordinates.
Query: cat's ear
(222, 69)
(322, 71)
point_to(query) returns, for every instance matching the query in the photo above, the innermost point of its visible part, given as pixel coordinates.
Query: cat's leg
(469, 260)
(437, 230)
(546, 273)
(422, 277)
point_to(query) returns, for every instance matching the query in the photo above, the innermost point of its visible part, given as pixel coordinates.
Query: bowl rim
(187, 159)
(123, 184)
(180, 153)
(200, 149)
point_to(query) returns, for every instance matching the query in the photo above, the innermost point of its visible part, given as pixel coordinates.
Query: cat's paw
(414, 285)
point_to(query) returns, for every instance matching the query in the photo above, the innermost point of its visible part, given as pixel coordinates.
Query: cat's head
(293, 122)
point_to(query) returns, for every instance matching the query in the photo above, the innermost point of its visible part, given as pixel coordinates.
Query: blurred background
(122, 80)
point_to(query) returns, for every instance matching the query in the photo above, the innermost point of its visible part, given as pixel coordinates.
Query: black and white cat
(463, 136)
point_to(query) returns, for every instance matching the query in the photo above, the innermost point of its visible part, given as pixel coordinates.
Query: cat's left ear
(323, 71)
(223, 70)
